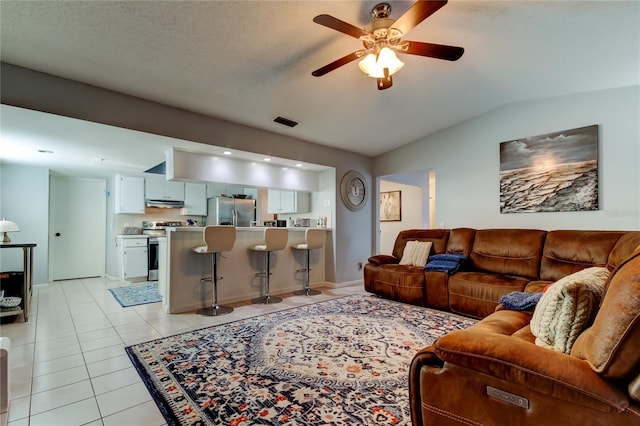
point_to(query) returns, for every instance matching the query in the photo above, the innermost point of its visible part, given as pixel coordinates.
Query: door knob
(57, 234)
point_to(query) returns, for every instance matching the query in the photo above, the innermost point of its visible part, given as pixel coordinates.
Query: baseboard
(344, 284)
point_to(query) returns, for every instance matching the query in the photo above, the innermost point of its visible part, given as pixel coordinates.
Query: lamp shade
(374, 65)
(7, 226)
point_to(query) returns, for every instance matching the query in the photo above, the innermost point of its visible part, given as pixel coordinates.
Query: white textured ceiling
(250, 61)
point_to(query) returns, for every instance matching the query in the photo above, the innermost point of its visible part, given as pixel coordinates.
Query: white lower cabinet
(132, 257)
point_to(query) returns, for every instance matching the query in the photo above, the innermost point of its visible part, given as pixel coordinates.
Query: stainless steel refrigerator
(230, 211)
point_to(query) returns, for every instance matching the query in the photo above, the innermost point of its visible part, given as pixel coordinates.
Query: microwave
(302, 222)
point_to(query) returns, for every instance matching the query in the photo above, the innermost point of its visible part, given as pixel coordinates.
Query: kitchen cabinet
(217, 189)
(132, 257)
(195, 199)
(287, 201)
(158, 188)
(129, 194)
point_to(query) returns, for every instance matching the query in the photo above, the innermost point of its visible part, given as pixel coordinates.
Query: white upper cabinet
(287, 201)
(195, 199)
(129, 194)
(158, 188)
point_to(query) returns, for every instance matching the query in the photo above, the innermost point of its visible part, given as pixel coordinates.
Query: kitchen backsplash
(153, 214)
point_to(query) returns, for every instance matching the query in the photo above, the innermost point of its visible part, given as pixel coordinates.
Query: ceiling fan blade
(336, 64)
(439, 51)
(417, 13)
(338, 25)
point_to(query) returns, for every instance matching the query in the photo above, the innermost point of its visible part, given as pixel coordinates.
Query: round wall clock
(353, 190)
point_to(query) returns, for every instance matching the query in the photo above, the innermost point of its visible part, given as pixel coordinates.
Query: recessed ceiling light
(285, 168)
(45, 151)
(298, 165)
(227, 153)
(267, 159)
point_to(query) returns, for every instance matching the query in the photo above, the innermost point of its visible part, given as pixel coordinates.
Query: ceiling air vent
(285, 121)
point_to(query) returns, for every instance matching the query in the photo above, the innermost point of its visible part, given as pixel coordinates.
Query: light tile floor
(67, 364)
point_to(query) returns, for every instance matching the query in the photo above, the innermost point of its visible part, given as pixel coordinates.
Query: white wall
(24, 199)
(466, 161)
(411, 197)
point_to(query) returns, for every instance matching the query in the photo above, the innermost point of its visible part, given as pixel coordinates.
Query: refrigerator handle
(235, 217)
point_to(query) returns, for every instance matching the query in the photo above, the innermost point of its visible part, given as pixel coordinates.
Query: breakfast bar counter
(180, 269)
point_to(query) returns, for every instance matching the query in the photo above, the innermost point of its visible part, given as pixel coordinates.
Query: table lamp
(7, 226)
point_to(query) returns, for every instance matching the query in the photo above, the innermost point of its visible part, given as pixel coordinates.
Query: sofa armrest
(490, 348)
(383, 259)
(425, 356)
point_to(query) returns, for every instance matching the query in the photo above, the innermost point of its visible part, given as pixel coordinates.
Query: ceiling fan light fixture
(374, 65)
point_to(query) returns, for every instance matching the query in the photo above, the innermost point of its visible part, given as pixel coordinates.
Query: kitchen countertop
(242, 228)
(127, 236)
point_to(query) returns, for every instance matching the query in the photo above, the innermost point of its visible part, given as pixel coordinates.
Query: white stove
(155, 229)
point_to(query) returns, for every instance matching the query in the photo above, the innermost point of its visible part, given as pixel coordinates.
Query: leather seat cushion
(477, 293)
(399, 282)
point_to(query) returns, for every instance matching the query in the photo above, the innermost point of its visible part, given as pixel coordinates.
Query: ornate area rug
(340, 362)
(136, 294)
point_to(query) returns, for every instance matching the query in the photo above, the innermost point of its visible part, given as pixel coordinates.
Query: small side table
(27, 282)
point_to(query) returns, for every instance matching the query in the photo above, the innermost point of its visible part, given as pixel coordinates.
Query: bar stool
(216, 240)
(274, 239)
(314, 239)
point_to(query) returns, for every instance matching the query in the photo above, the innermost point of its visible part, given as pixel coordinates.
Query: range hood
(165, 204)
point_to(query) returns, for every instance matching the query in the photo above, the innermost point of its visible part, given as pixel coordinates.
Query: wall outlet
(359, 266)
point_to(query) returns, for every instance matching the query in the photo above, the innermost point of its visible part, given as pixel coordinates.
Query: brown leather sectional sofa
(493, 373)
(500, 261)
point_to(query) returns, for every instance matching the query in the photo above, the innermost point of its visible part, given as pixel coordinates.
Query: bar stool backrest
(219, 238)
(315, 238)
(275, 238)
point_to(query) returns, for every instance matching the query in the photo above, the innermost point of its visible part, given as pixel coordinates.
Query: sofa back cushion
(623, 249)
(508, 251)
(438, 238)
(566, 251)
(461, 241)
(612, 344)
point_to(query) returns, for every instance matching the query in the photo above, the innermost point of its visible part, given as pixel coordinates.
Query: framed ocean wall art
(390, 206)
(555, 172)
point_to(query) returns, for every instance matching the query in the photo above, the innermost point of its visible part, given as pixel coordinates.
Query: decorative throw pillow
(416, 253)
(567, 308)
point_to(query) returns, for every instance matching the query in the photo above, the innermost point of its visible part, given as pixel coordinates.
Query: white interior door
(77, 227)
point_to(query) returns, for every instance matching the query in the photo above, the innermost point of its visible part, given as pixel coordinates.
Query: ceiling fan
(382, 38)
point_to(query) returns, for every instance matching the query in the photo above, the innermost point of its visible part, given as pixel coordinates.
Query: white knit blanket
(567, 308)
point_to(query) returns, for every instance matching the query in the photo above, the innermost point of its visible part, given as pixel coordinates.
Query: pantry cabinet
(129, 194)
